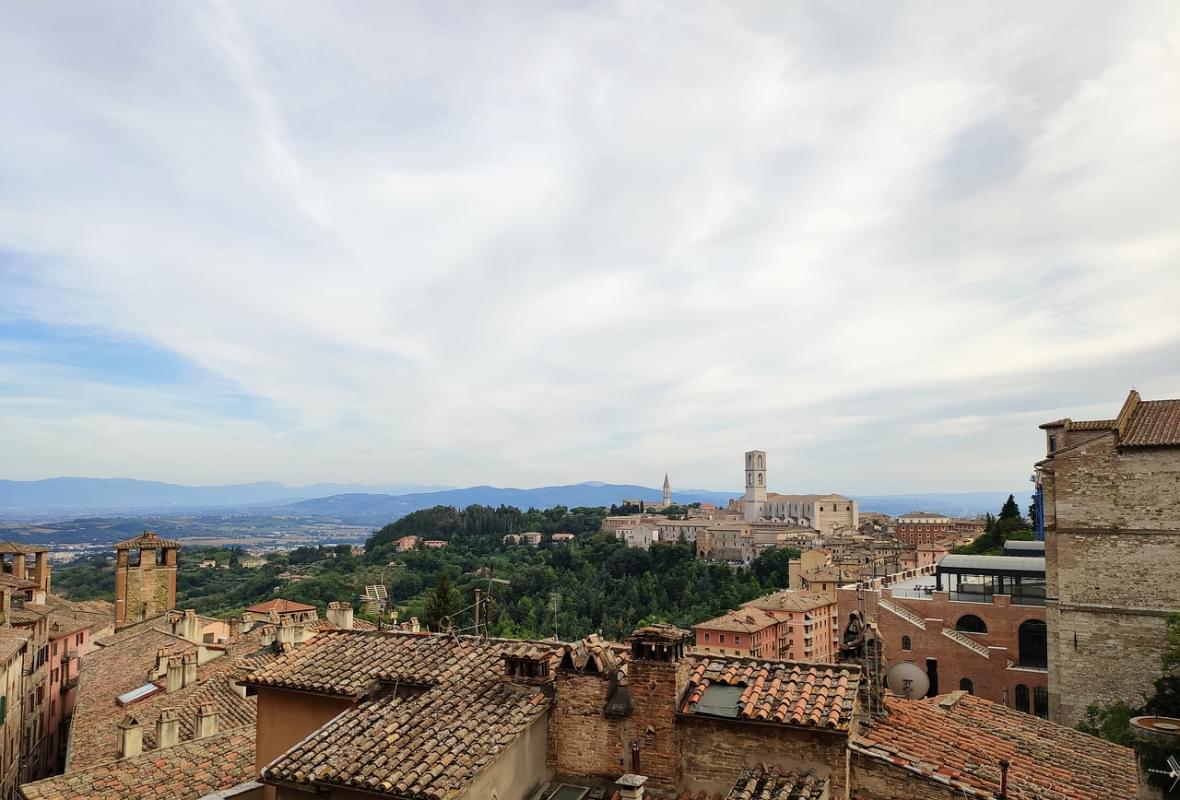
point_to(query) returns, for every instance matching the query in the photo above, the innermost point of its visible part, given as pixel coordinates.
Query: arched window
(1041, 702)
(905, 643)
(969, 623)
(1022, 698)
(966, 685)
(1034, 646)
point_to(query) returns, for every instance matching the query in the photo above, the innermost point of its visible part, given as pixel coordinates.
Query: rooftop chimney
(340, 615)
(174, 679)
(5, 607)
(161, 669)
(191, 626)
(190, 668)
(631, 787)
(130, 737)
(235, 627)
(268, 636)
(286, 634)
(167, 728)
(206, 721)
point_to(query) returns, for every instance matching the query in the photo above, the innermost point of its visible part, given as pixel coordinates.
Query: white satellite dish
(907, 679)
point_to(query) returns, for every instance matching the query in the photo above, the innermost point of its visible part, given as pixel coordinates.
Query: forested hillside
(593, 583)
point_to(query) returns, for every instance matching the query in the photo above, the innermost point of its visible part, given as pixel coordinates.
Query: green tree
(443, 604)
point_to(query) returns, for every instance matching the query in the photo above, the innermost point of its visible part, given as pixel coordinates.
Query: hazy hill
(58, 495)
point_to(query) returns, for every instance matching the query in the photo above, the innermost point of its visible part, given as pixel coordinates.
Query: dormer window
(1052, 444)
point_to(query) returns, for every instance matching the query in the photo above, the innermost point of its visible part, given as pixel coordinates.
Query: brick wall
(1112, 564)
(582, 741)
(655, 690)
(872, 779)
(713, 752)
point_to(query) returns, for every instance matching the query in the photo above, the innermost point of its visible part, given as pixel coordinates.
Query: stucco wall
(518, 771)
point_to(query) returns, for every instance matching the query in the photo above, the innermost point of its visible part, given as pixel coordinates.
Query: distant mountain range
(374, 505)
(65, 495)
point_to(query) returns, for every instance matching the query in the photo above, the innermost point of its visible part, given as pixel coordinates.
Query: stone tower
(145, 578)
(667, 491)
(755, 497)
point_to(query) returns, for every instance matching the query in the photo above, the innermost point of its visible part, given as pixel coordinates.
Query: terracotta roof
(10, 646)
(748, 620)
(279, 606)
(16, 583)
(595, 655)
(808, 695)
(454, 714)
(16, 547)
(147, 540)
(190, 769)
(768, 783)
(1154, 423)
(444, 738)
(791, 599)
(960, 739)
(106, 673)
(1092, 425)
(352, 663)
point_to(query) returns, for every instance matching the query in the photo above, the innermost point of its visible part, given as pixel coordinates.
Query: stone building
(12, 657)
(1110, 498)
(145, 578)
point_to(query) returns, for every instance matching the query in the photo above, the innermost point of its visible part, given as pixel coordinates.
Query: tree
(1010, 509)
(442, 604)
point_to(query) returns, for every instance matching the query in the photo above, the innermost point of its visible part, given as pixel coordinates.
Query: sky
(540, 243)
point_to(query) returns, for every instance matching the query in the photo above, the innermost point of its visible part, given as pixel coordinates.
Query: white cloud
(446, 245)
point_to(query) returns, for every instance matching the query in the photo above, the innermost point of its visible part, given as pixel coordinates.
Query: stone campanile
(667, 491)
(145, 578)
(755, 497)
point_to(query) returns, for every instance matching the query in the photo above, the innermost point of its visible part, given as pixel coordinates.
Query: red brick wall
(655, 690)
(582, 741)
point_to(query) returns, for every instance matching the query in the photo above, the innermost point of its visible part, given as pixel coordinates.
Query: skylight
(147, 690)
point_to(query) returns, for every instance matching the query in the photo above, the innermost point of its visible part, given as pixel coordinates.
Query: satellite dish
(906, 679)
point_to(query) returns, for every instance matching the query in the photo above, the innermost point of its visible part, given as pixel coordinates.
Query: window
(1052, 444)
(905, 643)
(969, 623)
(1033, 642)
(3, 708)
(79, 640)
(53, 676)
(932, 674)
(737, 640)
(1041, 702)
(966, 685)
(1022, 698)
(721, 638)
(706, 637)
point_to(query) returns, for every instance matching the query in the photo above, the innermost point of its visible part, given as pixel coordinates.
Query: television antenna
(1173, 772)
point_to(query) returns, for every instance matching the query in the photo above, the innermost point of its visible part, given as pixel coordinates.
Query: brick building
(1110, 494)
(975, 623)
(145, 578)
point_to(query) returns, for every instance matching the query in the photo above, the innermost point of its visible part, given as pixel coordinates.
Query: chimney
(1004, 778)
(191, 626)
(161, 669)
(268, 636)
(340, 615)
(286, 634)
(41, 570)
(5, 607)
(167, 728)
(174, 679)
(631, 787)
(415, 626)
(206, 721)
(190, 669)
(130, 737)
(235, 627)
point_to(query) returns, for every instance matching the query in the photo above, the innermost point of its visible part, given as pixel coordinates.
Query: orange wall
(285, 718)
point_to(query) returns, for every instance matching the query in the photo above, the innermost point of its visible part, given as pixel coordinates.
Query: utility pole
(477, 612)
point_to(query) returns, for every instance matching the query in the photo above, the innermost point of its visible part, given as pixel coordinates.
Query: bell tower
(755, 497)
(145, 578)
(667, 491)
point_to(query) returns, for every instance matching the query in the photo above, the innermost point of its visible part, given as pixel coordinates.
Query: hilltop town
(888, 658)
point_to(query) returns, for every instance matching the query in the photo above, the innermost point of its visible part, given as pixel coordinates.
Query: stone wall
(713, 752)
(655, 691)
(1112, 555)
(582, 740)
(872, 779)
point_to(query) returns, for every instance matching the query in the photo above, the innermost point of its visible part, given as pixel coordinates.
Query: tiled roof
(1154, 423)
(16, 547)
(350, 663)
(789, 693)
(444, 738)
(279, 606)
(746, 620)
(190, 769)
(13, 582)
(108, 672)
(1092, 425)
(455, 713)
(960, 739)
(147, 540)
(789, 600)
(768, 783)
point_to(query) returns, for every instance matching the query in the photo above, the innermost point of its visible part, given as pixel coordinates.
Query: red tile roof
(148, 540)
(960, 739)
(789, 693)
(279, 606)
(1154, 423)
(190, 769)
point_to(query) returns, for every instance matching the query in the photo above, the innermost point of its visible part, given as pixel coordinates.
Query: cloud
(573, 242)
